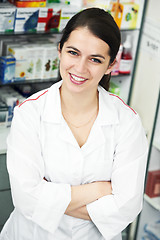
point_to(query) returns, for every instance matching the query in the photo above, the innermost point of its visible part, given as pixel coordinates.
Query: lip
(77, 82)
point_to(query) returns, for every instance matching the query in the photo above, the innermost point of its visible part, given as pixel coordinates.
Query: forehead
(84, 40)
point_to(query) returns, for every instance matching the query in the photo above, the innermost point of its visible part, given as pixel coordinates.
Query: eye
(96, 60)
(73, 53)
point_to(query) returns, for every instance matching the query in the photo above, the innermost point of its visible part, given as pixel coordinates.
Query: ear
(110, 67)
(59, 51)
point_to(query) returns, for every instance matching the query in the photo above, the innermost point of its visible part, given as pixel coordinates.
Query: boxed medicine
(125, 14)
(26, 19)
(20, 54)
(7, 69)
(66, 14)
(49, 19)
(50, 61)
(31, 60)
(7, 16)
(39, 52)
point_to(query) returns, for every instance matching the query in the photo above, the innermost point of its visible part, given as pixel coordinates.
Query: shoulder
(119, 102)
(116, 104)
(32, 107)
(38, 100)
(118, 111)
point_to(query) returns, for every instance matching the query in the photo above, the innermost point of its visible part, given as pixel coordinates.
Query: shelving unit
(124, 82)
(150, 214)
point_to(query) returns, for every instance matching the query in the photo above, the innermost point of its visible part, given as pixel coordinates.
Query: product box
(30, 61)
(130, 16)
(115, 69)
(116, 10)
(66, 13)
(7, 17)
(20, 54)
(50, 61)
(124, 13)
(55, 64)
(48, 20)
(39, 52)
(26, 19)
(153, 184)
(7, 69)
(30, 3)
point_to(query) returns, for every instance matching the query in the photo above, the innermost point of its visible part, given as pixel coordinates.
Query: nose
(81, 65)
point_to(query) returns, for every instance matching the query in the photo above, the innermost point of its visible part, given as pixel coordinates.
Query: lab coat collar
(107, 115)
(52, 108)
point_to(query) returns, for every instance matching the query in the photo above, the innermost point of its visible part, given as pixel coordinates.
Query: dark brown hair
(102, 25)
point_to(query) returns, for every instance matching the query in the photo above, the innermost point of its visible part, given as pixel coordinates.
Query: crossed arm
(81, 195)
(84, 194)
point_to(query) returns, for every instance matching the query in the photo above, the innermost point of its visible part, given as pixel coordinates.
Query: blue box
(7, 69)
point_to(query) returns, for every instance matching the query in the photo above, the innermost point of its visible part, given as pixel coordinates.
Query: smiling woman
(96, 21)
(76, 153)
(84, 59)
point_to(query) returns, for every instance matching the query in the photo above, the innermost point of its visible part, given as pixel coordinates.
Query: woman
(76, 153)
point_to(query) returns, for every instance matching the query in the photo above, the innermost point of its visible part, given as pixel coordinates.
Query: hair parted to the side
(102, 25)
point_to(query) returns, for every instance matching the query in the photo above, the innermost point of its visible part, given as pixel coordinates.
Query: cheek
(65, 63)
(98, 72)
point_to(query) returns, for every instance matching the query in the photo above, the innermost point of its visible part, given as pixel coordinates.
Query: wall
(147, 76)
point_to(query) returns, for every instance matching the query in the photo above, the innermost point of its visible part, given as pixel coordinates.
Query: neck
(78, 103)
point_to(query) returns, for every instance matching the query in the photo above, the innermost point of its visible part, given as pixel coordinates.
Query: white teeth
(77, 78)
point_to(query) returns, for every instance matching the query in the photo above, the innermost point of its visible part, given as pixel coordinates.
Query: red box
(153, 184)
(48, 19)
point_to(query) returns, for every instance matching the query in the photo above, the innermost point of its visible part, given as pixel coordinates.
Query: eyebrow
(93, 55)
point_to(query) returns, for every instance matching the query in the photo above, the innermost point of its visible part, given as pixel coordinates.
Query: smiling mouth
(77, 80)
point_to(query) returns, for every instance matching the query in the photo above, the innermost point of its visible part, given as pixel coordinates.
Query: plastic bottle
(115, 70)
(126, 58)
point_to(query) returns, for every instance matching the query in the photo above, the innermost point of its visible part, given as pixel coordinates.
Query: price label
(151, 38)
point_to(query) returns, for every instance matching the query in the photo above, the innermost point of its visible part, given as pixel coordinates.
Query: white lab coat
(41, 144)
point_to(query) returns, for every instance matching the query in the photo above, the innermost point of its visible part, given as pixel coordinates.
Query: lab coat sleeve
(111, 214)
(40, 201)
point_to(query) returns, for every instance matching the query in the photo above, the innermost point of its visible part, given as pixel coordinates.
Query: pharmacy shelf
(154, 202)
(51, 32)
(4, 131)
(29, 33)
(33, 81)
